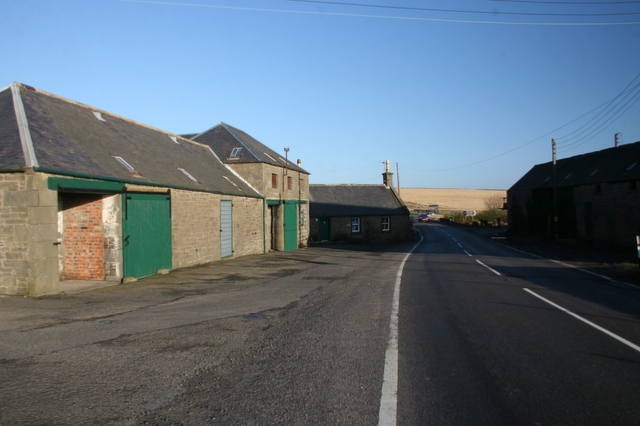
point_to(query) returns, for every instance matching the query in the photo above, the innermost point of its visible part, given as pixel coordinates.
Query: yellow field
(448, 199)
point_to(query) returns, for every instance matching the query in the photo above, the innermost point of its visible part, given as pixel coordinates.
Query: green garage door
(290, 227)
(147, 234)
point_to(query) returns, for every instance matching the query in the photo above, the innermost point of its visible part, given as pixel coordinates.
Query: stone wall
(196, 227)
(371, 229)
(28, 225)
(613, 214)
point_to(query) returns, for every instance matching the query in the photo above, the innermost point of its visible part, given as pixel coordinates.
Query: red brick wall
(83, 237)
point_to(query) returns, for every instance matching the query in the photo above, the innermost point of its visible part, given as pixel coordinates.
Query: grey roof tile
(69, 139)
(223, 138)
(608, 165)
(353, 200)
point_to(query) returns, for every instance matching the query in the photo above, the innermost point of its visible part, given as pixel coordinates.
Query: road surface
(454, 330)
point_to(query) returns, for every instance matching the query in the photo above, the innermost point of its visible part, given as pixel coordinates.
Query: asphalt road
(479, 345)
(303, 337)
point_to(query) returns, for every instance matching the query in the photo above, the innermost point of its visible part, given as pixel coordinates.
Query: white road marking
(387, 415)
(489, 268)
(586, 321)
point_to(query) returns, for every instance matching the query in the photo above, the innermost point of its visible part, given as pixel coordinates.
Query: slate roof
(607, 166)
(223, 138)
(69, 138)
(354, 200)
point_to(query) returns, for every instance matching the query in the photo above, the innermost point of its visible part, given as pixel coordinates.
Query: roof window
(124, 163)
(236, 152)
(632, 166)
(273, 159)
(187, 174)
(173, 138)
(232, 182)
(99, 116)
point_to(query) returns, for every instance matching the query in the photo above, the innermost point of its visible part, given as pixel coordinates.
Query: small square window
(386, 224)
(355, 225)
(274, 180)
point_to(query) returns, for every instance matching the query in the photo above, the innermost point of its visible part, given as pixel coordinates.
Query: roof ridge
(92, 108)
(239, 139)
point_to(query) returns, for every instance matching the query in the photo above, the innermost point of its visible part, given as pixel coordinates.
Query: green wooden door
(147, 234)
(290, 227)
(324, 228)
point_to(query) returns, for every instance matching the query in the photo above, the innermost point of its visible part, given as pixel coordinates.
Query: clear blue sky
(458, 100)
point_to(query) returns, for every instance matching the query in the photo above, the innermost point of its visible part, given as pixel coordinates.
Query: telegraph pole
(555, 191)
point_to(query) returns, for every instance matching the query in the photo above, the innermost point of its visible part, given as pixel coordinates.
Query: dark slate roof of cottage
(223, 139)
(354, 200)
(607, 166)
(63, 137)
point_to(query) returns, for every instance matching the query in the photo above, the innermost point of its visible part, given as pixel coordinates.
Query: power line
(485, 12)
(564, 3)
(406, 18)
(606, 110)
(627, 105)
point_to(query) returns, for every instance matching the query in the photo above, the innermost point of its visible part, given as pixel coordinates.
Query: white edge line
(586, 321)
(387, 415)
(489, 268)
(604, 277)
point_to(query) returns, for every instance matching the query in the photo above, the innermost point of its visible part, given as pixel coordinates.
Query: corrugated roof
(606, 166)
(69, 139)
(223, 138)
(353, 200)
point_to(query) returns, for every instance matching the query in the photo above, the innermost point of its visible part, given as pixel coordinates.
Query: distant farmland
(448, 199)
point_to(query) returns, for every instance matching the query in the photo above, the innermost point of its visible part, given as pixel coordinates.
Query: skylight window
(124, 163)
(632, 166)
(173, 138)
(236, 152)
(99, 116)
(187, 174)
(232, 182)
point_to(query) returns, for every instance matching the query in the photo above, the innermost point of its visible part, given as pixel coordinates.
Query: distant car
(423, 217)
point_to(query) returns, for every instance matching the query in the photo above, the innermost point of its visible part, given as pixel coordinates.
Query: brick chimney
(387, 176)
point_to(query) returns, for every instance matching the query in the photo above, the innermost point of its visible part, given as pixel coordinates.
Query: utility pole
(398, 172)
(555, 191)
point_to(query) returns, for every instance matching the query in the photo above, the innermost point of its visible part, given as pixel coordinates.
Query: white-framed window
(355, 225)
(386, 224)
(236, 152)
